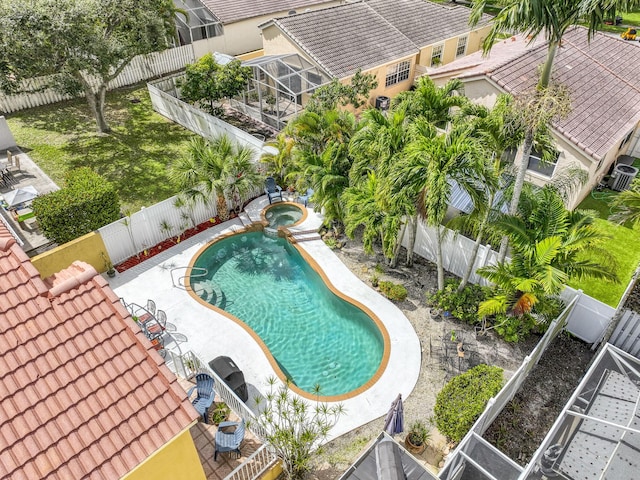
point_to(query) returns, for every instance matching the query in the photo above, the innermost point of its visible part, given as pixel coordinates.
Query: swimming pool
(314, 336)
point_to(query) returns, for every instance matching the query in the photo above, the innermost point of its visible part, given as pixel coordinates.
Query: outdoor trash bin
(228, 371)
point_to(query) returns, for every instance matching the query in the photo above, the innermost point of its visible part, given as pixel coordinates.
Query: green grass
(624, 248)
(135, 156)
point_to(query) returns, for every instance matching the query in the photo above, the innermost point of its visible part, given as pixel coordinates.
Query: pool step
(304, 237)
(245, 219)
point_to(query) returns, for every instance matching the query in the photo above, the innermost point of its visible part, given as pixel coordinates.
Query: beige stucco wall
(474, 41)
(244, 36)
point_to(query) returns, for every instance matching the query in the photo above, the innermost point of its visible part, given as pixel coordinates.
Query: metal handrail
(254, 466)
(179, 283)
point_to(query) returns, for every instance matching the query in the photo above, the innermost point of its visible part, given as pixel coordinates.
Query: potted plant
(108, 265)
(219, 413)
(417, 437)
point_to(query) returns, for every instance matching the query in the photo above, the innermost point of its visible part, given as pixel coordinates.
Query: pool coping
(212, 334)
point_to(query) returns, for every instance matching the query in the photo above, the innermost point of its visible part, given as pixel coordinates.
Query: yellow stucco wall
(474, 42)
(88, 248)
(176, 460)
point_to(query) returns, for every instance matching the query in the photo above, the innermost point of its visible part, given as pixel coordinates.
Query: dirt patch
(525, 421)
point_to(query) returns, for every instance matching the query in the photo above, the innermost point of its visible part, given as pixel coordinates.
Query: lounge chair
(272, 190)
(304, 199)
(205, 394)
(229, 441)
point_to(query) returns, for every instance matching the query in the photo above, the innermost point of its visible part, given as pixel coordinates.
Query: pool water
(316, 337)
(283, 215)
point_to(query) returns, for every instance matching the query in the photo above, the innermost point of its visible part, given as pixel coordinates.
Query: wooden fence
(141, 68)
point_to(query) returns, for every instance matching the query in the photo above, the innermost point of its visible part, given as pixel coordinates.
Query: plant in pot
(108, 265)
(219, 413)
(417, 437)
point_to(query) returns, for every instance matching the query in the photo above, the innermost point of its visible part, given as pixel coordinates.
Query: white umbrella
(20, 195)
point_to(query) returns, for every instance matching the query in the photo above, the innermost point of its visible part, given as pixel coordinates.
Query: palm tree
(432, 160)
(627, 204)
(278, 164)
(214, 169)
(435, 104)
(550, 245)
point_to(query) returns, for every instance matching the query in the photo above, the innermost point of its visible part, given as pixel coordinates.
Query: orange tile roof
(83, 394)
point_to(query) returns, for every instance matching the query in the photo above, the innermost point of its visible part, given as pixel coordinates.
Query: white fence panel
(195, 119)
(143, 67)
(590, 318)
(133, 234)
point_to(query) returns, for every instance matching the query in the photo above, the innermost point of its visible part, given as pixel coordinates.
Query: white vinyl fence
(143, 67)
(141, 230)
(456, 251)
(193, 118)
(470, 443)
(590, 318)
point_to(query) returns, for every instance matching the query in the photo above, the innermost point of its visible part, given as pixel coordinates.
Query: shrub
(463, 399)
(462, 305)
(86, 203)
(393, 291)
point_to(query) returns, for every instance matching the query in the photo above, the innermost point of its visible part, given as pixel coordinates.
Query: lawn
(623, 247)
(135, 156)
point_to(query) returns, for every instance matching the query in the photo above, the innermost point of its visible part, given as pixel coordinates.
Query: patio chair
(205, 394)
(272, 190)
(227, 441)
(161, 316)
(304, 199)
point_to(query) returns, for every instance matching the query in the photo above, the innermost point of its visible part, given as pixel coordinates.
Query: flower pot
(111, 273)
(411, 447)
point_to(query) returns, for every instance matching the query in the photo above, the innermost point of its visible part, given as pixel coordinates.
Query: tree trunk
(439, 262)
(412, 240)
(517, 187)
(96, 105)
(393, 261)
(545, 75)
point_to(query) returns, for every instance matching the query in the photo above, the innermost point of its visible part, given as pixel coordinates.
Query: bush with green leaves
(294, 427)
(393, 291)
(462, 305)
(86, 203)
(464, 398)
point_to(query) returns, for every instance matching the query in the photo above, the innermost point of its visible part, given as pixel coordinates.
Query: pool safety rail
(179, 281)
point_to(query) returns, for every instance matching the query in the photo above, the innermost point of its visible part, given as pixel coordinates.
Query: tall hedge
(86, 203)
(464, 398)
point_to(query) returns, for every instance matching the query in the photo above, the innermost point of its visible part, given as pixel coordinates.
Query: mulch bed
(168, 243)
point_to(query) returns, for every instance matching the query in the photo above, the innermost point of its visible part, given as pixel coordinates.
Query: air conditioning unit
(622, 177)
(383, 103)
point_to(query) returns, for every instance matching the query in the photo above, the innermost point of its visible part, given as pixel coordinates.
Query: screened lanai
(280, 88)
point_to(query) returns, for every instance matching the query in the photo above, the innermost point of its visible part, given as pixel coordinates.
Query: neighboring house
(603, 79)
(382, 38)
(83, 393)
(231, 26)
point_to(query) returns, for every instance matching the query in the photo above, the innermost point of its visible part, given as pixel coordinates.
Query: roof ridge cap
(87, 272)
(513, 59)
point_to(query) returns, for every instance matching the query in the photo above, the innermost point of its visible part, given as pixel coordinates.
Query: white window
(461, 49)
(537, 165)
(398, 73)
(436, 55)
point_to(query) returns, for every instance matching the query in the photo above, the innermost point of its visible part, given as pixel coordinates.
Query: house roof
(230, 11)
(424, 22)
(82, 392)
(345, 38)
(603, 78)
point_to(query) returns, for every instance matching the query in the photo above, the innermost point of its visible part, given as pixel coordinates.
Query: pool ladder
(179, 283)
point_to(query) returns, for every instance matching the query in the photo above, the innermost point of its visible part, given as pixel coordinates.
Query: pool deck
(211, 334)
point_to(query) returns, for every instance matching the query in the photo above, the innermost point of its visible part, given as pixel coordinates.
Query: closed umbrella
(394, 421)
(20, 195)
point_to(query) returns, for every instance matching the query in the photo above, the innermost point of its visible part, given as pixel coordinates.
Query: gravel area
(420, 279)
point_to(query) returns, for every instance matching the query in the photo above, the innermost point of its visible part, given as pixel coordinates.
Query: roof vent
(292, 12)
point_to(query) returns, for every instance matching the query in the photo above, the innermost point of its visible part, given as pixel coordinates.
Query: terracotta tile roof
(424, 22)
(347, 37)
(603, 77)
(82, 392)
(230, 11)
